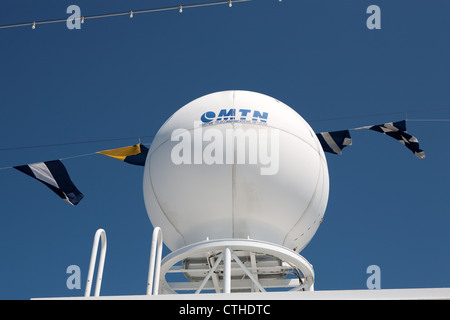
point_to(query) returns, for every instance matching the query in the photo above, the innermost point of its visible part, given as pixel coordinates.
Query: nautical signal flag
(334, 142)
(133, 154)
(397, 130)
(55, 176)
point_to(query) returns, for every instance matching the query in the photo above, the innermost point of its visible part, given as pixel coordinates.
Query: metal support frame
(100, 233)
(220, 255)
(210, 273)
(227, 270)
(228, 255)
(155, 262)
(249, 274)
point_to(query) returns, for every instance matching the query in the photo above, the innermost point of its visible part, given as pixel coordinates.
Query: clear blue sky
(122, 77)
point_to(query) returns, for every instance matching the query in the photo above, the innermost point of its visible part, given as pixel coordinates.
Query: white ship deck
(381, 294)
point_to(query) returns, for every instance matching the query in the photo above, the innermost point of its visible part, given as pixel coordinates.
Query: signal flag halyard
(55, 176)
(335, 141)
(136, 154)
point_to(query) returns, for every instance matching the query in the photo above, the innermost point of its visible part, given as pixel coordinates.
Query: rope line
(130, 13)
(383, 114)
(72, 143)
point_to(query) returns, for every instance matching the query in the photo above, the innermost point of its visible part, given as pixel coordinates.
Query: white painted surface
(382, 294)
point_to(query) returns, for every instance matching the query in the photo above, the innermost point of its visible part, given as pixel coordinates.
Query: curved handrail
(100, 233)
(155, 262)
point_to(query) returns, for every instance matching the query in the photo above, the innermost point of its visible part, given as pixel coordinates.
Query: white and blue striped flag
(55, 176)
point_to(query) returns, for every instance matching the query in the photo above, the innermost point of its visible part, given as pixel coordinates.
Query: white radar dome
(236, 164)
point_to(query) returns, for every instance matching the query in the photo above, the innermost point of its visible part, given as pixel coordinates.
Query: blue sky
(121, 77)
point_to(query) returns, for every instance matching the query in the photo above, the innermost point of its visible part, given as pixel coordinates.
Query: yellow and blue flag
(136, 154)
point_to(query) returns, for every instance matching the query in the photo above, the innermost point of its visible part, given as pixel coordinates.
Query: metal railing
(100, 233)
(154, 267)
(155, 262)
